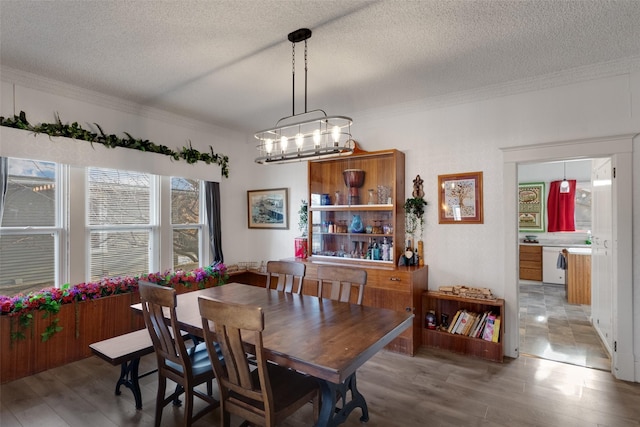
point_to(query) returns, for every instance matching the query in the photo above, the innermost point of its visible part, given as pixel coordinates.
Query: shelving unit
(449, 304)
(379, 207)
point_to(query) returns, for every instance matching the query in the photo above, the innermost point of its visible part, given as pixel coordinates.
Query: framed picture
(460, 198)
(531, 206)
(268, 208)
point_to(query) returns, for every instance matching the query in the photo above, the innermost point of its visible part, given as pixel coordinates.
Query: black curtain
(212, 192)
(4, 177)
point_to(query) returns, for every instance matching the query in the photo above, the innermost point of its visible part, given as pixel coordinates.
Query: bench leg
(129, 378)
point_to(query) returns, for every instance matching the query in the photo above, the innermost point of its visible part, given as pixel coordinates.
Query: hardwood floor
(435, 388)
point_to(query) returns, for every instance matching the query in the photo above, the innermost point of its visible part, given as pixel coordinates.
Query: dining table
(321, 337)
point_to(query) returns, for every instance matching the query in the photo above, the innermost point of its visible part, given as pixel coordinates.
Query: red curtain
(561, 207)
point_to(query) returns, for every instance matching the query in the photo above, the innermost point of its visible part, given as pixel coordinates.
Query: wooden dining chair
(187, 368)
(265, 393)
(342, 280)
(288, 273)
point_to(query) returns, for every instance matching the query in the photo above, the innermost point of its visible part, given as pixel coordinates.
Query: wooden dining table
(321, 337)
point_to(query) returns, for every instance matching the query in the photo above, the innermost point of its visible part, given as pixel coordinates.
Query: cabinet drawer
(531, 274)
(531, 264)
(395, 280)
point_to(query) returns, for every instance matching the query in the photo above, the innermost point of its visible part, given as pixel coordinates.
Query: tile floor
(552, 329)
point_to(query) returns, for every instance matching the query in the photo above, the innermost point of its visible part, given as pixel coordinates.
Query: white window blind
(30, 231)
(119, 221)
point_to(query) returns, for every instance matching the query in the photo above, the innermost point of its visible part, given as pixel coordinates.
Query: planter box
(82, 324)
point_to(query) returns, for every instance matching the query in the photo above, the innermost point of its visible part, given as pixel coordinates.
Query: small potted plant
(301, 244)
(414, 215)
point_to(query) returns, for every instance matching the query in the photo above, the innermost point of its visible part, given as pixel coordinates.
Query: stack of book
(476, 325)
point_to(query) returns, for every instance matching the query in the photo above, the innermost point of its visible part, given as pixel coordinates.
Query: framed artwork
(460, 198)
(531, 206)
(268, 208)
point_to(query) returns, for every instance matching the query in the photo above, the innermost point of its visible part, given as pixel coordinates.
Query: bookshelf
(450, 304)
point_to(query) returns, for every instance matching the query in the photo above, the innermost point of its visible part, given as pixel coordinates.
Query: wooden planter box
(82, 324)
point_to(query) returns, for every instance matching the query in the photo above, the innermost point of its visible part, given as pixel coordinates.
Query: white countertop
(579, 251)
(556, 244)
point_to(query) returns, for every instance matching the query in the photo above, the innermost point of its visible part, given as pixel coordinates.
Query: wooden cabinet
(531, 262)
(578, 278)
(395, 288)
(449, 305)
(377, 205)
(345, 221)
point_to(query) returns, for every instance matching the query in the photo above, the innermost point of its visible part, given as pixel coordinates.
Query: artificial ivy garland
(75, 131)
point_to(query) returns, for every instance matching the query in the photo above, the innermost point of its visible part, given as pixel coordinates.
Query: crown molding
(55, 87)
(561, 78)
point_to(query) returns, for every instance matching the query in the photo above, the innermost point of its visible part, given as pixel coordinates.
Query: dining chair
(288, 273)
(187, 368)
(262, 394)
(342, 280)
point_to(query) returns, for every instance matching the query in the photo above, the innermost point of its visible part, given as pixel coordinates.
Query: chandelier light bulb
(268, 145)
(316, 137)
(284, 141)
(299, 141)
(335, 133)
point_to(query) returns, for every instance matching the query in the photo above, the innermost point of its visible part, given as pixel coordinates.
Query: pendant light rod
(309, 135)
(297, 36)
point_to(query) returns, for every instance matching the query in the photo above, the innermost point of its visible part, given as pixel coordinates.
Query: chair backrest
(341, 280)
(235, 377)
(157, 301)
(288, 273)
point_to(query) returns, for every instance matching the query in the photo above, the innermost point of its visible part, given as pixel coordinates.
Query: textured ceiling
(229, 62)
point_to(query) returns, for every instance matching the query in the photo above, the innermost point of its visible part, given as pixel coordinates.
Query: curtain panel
(561, 207)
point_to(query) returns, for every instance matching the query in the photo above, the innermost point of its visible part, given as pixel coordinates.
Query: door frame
(620, 149)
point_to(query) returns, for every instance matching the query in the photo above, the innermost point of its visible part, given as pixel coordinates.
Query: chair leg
(162, 385)
(188, 408)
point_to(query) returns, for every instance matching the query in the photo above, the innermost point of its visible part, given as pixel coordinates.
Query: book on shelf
(454, 322)
(479, 325)
(496, 330)
(462, 324)
(473, 317)
(487, 333)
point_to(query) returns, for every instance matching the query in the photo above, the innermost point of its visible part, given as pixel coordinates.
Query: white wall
(436, 140)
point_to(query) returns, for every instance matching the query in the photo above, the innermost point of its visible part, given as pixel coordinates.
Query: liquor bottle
(391, 258)
(375, 251)
(385, 249)
(408, 253)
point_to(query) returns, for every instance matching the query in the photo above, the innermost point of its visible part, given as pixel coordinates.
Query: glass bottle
(375, 251)
(385, 250)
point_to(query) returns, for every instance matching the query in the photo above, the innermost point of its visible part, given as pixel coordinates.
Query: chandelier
(312, 134)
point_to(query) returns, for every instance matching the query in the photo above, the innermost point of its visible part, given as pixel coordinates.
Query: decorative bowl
(353, 178)
(531, 237)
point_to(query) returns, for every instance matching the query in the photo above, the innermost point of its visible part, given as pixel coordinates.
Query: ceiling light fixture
(564, 185)
(312, 134)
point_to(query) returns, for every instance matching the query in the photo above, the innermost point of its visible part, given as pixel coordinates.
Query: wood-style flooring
(434, 388)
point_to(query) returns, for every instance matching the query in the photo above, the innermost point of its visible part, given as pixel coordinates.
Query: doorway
(620, 149)
(551, 327)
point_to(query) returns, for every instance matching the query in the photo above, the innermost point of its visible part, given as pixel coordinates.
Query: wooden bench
(126, 351)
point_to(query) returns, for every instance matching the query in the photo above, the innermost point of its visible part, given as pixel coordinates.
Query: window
(119, 222)
(186, 222)
(44, 242)
(30, 226)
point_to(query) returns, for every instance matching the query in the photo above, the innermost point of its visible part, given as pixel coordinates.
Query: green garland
(75, 131)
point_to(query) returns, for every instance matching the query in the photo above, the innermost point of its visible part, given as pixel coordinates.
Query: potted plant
(303, 221)
(414, 219)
